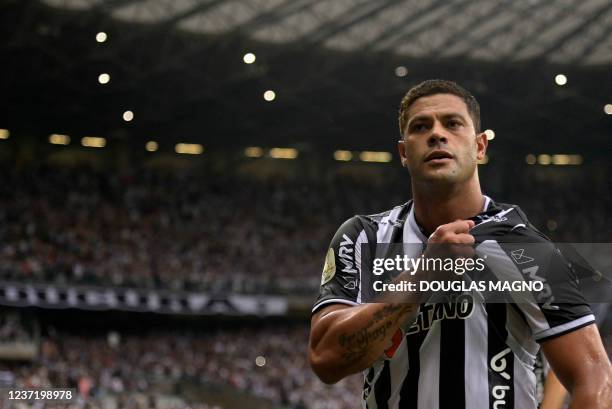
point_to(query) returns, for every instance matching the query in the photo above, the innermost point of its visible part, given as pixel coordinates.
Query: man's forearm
(554, 392)
(351, 339)
(596, 393)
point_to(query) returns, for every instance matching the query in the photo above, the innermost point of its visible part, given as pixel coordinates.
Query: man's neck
(435, 208)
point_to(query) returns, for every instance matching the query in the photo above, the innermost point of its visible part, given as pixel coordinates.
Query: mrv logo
(346, 256)
(460, 307)
(546, 295)
(498, 365)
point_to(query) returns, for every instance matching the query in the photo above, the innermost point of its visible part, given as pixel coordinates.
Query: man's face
(439, 143)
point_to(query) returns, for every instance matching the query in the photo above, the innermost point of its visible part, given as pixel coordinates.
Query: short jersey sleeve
(560, 307)
(340, 278)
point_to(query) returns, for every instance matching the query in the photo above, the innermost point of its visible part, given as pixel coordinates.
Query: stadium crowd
(132, 370)
(269, 363)
(186, 231)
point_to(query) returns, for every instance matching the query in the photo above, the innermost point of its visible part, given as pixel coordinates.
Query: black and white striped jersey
(455, 355)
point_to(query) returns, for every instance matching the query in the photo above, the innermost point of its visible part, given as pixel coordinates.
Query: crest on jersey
(329, 268)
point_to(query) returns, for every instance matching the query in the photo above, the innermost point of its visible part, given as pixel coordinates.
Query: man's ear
(481, 145)
(401, 148)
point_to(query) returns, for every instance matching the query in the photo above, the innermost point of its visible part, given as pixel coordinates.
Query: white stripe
(486, 203)
(565, 327)
(517, 226)
(333, 301)
(521, 335)
(370, 403)
(429, 375)
(505, 270)
(398, 370)
(361, 239)
(524, 381)
(385, 226)
(385, 231)
(412, 232)
(476, 369)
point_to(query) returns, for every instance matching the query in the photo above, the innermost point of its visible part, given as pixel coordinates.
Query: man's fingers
(465, 238)
(461, 226)
(457, 227)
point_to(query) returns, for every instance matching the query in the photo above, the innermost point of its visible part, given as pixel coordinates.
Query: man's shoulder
(506, 220)
(371, 223)
(394, 217)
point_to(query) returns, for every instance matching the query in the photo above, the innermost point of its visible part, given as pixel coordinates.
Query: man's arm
(582, 365)
(345, 340)
(554, 392)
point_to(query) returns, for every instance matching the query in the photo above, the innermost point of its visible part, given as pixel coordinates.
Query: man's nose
(437, 135)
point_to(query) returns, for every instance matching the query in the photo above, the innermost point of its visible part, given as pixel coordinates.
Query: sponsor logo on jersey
(329, 268)
(459, 307)
(519, 256)
(495, 218)
(351, 284)
(498, 365)
(346, 255)
(545, 295)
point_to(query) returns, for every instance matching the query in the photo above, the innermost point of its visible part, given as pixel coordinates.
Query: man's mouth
(438, 156)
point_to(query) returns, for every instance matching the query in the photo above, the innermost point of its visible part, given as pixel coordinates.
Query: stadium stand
(161, 230)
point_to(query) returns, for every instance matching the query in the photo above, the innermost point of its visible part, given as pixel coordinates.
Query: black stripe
(452, 364)
(410, 387)
(382, 388)
(501, 369)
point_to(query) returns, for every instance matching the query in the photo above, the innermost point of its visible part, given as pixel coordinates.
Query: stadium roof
(562, 31)
(338, 69)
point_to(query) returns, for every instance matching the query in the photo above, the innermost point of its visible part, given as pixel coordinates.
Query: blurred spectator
(269, 363)
(180, 231)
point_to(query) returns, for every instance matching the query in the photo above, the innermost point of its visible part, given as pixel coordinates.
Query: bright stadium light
(544, 159)
(343, 156)
(269, 95)
(101, 37)
(370, 156)
(283, 153)
(253, 152)
(104, 78)
(608, 109)
(490, 134)
(575, 159)
(401, 71)
(93, 142)
(59, 139)
(4, 134)
(189, 148)
(561, 79)
(151, 146)
(530, 159)
(561, 159)
(249, 58)
(128, 116)
(260, 361)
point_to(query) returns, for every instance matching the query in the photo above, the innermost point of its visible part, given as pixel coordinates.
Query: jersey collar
(413, 232)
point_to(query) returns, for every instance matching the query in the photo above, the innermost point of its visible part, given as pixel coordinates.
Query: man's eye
(454, 124)
(418, 127)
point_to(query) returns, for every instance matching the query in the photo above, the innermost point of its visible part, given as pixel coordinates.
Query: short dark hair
(431, 87)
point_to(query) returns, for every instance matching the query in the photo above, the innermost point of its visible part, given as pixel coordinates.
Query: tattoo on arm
(357, 343)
